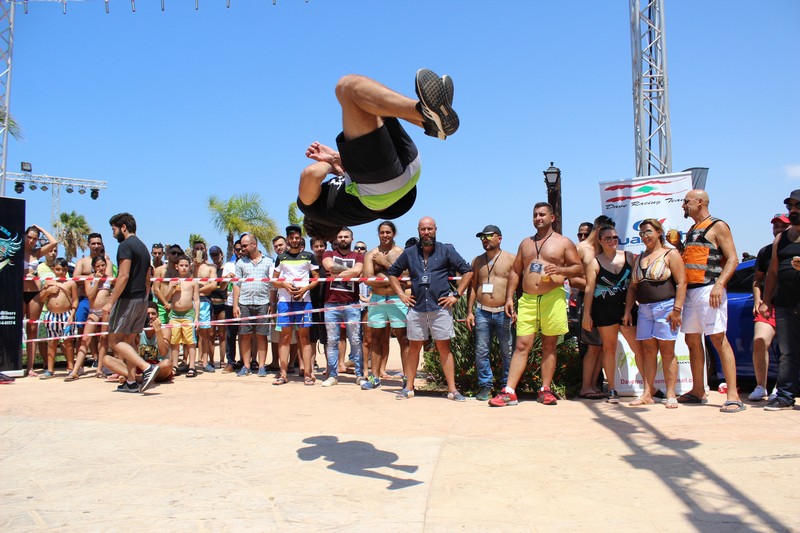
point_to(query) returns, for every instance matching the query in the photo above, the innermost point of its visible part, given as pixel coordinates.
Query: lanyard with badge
(487, 288)
(537, 267)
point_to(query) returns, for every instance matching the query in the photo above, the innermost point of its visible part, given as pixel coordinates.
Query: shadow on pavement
(681, 471)
(356, 458)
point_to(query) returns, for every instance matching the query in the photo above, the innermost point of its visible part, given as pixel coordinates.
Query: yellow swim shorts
(545, 313)
(182, 331)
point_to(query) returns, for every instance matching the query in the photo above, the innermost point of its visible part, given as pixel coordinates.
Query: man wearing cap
(430, 303)
(711, 259)
(487, 292)
(377, 165)
(782, 294)
(300, 269)
(763, 327)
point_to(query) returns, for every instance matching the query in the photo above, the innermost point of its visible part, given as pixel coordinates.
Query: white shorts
(700, 317)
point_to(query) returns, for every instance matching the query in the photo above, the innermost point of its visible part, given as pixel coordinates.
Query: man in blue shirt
(429, 264)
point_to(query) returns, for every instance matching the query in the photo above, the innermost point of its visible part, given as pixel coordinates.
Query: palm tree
(239, 214)
(295, 219)
(193, 238)
(72, 231)
(13, 128)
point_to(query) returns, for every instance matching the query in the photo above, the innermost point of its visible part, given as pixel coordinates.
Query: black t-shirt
(336, 207)
(138, 254)
(763, 258)
(787, 293)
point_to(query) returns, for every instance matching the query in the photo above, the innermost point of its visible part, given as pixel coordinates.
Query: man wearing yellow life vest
(710, 257)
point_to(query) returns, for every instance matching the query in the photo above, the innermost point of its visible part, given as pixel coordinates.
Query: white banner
(628, 202)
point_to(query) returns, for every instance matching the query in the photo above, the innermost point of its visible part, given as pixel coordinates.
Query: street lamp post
(552, 178)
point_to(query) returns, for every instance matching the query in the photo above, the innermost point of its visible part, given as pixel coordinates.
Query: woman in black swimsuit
(32, 307)
(607, 279)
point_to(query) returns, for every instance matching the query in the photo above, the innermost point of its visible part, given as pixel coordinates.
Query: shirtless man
(392, 313)
(157, 252)
(83, 267)
(201, 269)
(184, 300)
(711, 259)
(167, 270)
(98, 293)
(487, 291)
(542, 262)
(218, 297)
(61, 298)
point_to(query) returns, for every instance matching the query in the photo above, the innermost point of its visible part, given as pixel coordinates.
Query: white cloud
(792, 171)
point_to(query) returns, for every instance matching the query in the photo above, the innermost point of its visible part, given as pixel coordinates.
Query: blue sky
(172, 107)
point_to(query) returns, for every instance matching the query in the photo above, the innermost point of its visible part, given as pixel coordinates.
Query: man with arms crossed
(543, 261)
(710, 257)
(487, 292)
(429, 264)
(391, 314)
(128, 303)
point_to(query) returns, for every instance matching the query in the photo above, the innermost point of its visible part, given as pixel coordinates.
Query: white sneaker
(330, 382)
(773, 395)
(758, 394)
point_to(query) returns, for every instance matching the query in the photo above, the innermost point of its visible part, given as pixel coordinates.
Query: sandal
(113, 378)
(671, 403)
(638, 402)
(191, 373)
(280, 381)
(732, 406)
(309, 382)
(99, 375)
(72, 376)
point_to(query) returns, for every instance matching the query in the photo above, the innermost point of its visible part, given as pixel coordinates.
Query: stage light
(19, 187)
(95, 193)
(33, 186)
(70, 189)
(26, 167)
(45, 187)
(82, 191)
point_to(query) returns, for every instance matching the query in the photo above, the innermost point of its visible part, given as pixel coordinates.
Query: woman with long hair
(32, 306)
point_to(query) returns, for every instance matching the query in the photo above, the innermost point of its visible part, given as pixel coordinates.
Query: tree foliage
(295, 218)
(13, 128)
(242, 213)
(72, 231)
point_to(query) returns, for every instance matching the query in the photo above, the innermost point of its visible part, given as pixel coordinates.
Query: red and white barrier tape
(227, 280)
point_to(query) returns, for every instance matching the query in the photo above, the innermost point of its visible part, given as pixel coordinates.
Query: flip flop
(691, 398)
(191, 373)
(671, 403)
(280, 381)
(593, 396)
(739, 406)
(638, 402)
(309, 382)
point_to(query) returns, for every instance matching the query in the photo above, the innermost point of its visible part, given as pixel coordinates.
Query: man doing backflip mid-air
(377, 166)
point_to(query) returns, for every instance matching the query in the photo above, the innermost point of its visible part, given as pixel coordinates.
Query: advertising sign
(12, 253)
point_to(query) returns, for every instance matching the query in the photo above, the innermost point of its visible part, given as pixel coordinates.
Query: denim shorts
(653, 323)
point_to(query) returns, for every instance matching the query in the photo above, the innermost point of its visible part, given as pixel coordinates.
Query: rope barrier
(228, 280)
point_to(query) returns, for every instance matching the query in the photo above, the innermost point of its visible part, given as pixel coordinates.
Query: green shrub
(566, 381)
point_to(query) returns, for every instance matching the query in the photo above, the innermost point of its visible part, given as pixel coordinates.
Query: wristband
(678, 309)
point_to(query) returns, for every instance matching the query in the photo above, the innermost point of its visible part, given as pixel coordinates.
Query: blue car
(740, 329)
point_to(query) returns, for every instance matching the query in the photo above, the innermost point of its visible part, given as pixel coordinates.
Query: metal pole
(8, 14)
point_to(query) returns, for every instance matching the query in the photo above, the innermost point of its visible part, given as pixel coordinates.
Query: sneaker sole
(504, 404)
(433, 95)
(449, 88)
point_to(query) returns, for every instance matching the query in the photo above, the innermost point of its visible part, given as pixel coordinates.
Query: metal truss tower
(55, 184)
(653, 140)
(6, 49)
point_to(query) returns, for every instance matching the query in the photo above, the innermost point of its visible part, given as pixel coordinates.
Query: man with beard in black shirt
(782, 292)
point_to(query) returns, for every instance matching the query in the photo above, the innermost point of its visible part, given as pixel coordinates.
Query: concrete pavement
(221, 453)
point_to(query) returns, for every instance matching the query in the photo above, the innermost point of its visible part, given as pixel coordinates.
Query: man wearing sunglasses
(491, 270)
(782, 293)
(711, 259)
(167, 270)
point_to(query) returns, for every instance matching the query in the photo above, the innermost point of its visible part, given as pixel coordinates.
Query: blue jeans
(333, 319)
(486, 324)
(787, 329)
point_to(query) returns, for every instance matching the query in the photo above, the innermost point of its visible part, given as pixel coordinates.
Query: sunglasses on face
(645, 233)
(486, 236)
(792, 205)
(613, 238)
(174, 253)
(361, 248)
(584, 235)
